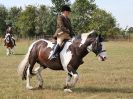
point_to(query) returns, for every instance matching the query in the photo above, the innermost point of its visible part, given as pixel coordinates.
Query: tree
(58, 4)
(51, 22)
(26, 21)
(3, 14)
(102, 22)
(45, 20)
(41, 20)
(12, 18)
(130, 30)
(81, 14)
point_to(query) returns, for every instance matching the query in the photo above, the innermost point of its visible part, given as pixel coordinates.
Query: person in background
(9, 31)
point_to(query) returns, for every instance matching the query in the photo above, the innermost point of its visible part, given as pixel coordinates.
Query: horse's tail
(23, 66)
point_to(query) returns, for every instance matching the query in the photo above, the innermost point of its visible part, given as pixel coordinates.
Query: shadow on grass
(106, 90)
(47, 88)
(19, 54)
(89, 89)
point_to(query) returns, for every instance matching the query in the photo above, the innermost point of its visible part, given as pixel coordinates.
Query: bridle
(89, 48)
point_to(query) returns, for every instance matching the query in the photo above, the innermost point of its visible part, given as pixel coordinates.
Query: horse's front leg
(68, 83)
(71, 80)
(13, 50)
(37, 71)
(7, 51)
(68, 80)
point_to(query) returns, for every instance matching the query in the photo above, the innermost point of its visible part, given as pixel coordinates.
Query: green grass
(112, 79)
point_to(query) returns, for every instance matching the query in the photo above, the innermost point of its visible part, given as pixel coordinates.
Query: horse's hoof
(29, 87)
(40, 87)
(68, 90)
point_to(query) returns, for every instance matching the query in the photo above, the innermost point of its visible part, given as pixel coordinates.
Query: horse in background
(9, 43)
(69, 59)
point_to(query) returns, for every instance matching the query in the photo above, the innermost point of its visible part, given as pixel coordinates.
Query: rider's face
(66, 13)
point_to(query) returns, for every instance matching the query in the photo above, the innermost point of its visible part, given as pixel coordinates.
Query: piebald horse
(9, 44)
(69, 59)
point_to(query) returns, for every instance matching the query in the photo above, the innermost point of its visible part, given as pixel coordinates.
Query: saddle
(62, 46)
(76, 40)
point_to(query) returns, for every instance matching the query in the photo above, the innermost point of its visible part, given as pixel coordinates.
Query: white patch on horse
(50, 44)
(89, 48)
(103, 54)
(84, 37)
(8, 34)
(65, 56)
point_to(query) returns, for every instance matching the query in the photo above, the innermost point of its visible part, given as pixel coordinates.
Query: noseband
(102, 51)
(97, 52)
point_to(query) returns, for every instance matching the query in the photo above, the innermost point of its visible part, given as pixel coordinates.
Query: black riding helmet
(65, 8)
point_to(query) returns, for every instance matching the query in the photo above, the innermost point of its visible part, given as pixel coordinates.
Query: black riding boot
(14, 42)
(55, 52)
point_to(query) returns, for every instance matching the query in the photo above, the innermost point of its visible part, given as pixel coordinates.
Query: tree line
(41, 20)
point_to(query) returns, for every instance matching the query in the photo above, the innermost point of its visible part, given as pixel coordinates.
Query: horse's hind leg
(13, 50)
(37, 71)
(29, 73)
(28, 86)
(7, 51)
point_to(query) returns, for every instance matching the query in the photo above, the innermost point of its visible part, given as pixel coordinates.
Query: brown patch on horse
(77, 54)
(41, 53)
(9, 46)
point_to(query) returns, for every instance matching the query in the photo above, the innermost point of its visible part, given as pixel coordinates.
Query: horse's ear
(93, 34)
(101, 39)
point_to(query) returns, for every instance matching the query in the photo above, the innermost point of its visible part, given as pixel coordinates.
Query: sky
(122, 10)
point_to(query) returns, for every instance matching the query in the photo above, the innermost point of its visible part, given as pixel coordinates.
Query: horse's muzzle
(102, 56)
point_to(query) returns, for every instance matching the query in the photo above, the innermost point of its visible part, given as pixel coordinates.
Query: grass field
(112, 79)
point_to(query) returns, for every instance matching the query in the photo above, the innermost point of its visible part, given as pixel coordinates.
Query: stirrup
(52, 57)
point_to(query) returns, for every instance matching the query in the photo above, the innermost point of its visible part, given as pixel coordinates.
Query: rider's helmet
(65, 8)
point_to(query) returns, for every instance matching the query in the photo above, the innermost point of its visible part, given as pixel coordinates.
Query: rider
(9, 31)
(64, 29)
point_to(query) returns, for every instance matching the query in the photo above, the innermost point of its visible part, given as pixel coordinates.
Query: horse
(69, 59)
(9, 44)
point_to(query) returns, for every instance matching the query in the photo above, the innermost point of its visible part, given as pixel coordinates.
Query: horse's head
(94, 43)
